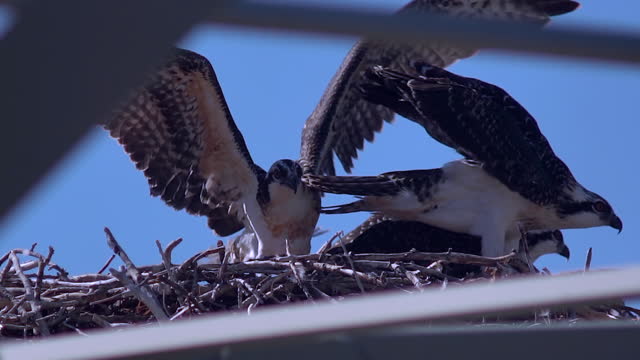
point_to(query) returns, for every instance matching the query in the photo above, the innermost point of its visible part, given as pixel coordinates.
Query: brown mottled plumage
(179, 131)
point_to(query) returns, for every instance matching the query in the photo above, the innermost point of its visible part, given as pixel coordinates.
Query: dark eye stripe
(601, 206)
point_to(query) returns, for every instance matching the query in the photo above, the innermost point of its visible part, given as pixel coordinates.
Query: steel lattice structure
(87, 68)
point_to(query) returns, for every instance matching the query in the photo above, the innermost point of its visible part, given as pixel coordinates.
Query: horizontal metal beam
(584, 340)
(64, 65)
(575, 41)
(286, 324)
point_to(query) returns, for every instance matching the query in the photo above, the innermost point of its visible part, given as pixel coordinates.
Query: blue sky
(272, 81)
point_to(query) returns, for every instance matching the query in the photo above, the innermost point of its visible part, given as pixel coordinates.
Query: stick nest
(39, 297)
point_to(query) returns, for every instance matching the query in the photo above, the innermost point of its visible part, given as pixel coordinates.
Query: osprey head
(588, 210)
(544, 242)
(286, 173)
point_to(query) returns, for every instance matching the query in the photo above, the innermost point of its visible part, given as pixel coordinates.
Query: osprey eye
(600, 206)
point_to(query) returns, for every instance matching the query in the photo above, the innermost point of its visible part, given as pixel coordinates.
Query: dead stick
(113, 297)
(166, 261)
(29, 294)
(6, 269)
(413, 278)
(432, 272)
(4, 257)
(223, 266)
(348, 272)
(353, 267)
(587, 264)
(172, 245)
(106, 265)
(118, 250)
(90, 284)
(41, 267)
(192, 260)
(17, 305)
(179, 289)
(327, 245)
(179, 313)
(259, 297)
(64, 274)
(11, 298)
(299, 281)
(142, 293)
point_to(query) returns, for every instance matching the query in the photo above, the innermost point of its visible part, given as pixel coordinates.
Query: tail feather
(354, 185)
(355, 206)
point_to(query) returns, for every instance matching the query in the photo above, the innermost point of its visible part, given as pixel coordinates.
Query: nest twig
(39, 298)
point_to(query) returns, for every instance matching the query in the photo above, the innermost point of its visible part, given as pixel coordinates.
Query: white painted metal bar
(575, 41)
(211, 334)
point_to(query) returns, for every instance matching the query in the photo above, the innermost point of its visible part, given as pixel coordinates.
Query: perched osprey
(380, 235)
(178, 129)
(511, 180)
(342, 120)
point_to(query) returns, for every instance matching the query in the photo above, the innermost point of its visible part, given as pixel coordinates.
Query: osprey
(179, 131)
(511, 180)
(378, 234)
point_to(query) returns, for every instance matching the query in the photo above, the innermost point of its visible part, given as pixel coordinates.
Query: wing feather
(342, 120)
(179, 131)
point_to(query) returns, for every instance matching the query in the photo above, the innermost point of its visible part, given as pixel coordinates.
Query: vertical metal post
(64, 65)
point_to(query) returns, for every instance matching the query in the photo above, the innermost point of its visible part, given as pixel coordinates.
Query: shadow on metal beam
(64, 65)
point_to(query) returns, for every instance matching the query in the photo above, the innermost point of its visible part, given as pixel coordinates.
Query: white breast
(471, 201)
(286, 206)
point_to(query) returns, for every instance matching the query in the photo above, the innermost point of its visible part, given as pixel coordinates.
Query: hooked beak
(616, 223)
(564, 252)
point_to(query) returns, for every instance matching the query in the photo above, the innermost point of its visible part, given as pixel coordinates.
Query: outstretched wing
(480, 121)
(178, 130)
(342, 120)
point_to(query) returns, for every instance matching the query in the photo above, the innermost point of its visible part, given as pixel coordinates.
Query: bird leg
(268, 245)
